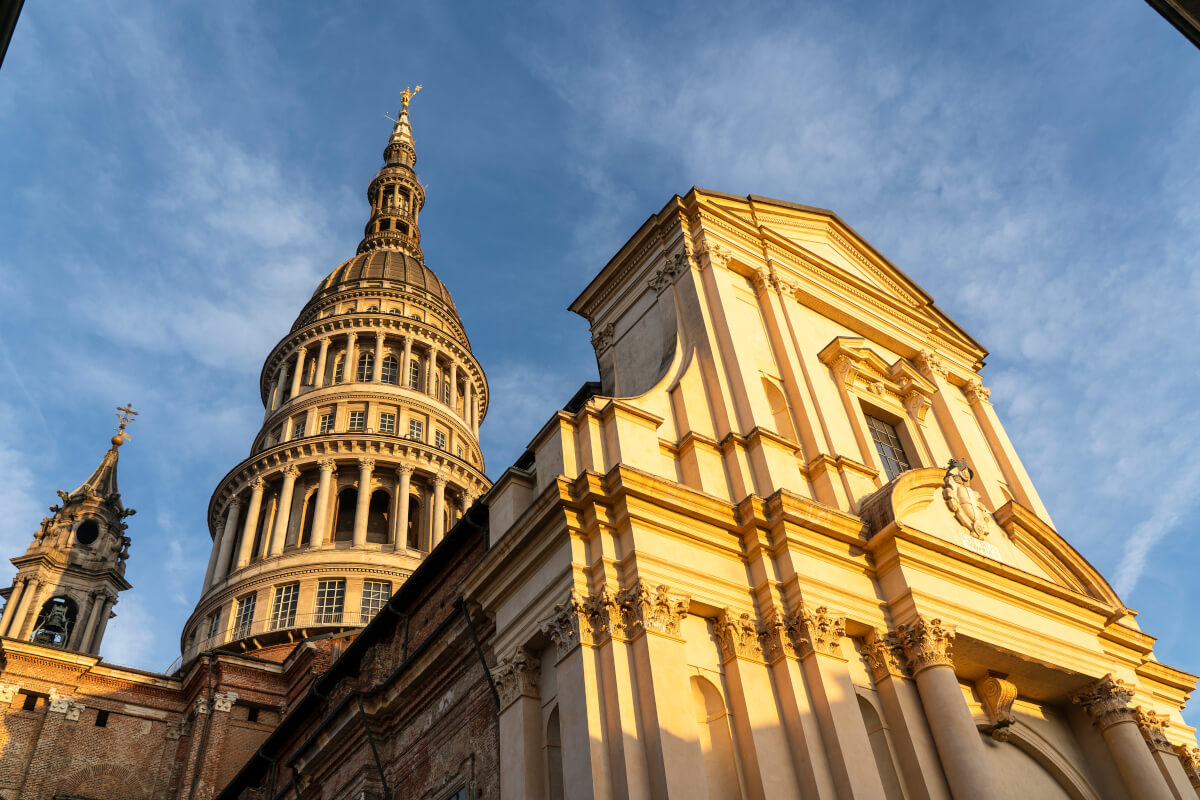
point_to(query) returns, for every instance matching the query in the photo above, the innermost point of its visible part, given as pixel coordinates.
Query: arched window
(414, 373)
(366, 365)
(391, 370)
(343, 520)
(55, 622)
(716, 744)
(554, 764)
(413, 535)
(378, 516)
(339, 364)
(306, 524)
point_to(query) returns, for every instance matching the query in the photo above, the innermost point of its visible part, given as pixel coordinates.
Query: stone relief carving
(926, 643)
(1106, 701)
(603, 338)
(917, 404)
(776, 641)
(176, 730)
(1189, 757)
(8, 691)
(975, 391)
(716, 255)
(568, 624)
(1153, 727)
(665, 275)
(516, 676)
(997, 696)
(884, 656)
(816, 631)
(656, 610)
(930, 364)
(738, 635)
(223, 701)
(963, 501)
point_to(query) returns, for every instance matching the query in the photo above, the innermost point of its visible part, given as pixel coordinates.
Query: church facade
(782, 548)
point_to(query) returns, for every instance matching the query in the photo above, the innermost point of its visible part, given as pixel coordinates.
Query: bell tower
(68, 579)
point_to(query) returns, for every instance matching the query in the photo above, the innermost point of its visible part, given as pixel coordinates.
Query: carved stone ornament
(1106, 701)
(1153, 727)
(716, 255)
(568, 625)
(930, 364)
(176, 730)
(1189, 757)
(816, 631)
(201, 705)
(8, 691)
(657, 610)
(739, 635)
(664, 276)
(62, 704)
(291, 471)
(997, 697)
(884, 656)
(776, 640)
(327, 465)
(366, 463)
(602, 339)
(926, 644)
(516, 676)
(917, 404)
(223, 701)
(975, 391)
(963, 501)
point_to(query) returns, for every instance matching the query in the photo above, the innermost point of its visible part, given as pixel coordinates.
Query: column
(475, 416)
(322, 357)
(290, 473)
(227, 537)
(268, 523)
(516, 679)
(927, 648)
(321, 512)
(439, 508)
(361, 508)
(454, 387)
(214, 551)
(106, 608)
(468, 399)
(29, 599)
(404, 476)
(431, 379)
(247, 544)
(298, 371)
(351, 362)
(404, 362)
(377, 374)
(277, 400)
(98, 600)
(14, 598)
(1107, 703)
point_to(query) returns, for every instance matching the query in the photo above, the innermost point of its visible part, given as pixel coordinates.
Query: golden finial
(407, 95)
(125, 415)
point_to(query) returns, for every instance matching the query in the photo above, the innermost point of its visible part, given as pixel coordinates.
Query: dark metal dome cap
(387, 265)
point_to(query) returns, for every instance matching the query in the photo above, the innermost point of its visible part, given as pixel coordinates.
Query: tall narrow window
(414, 373)
(338, 363)
(374, 595)
(331, 599)
(326, 425)
(298, 428)
(391, 370)
(379, 512)
(245, 616)
(366, 365)
(416, 430)
(439, 440)
(214, 626)
(889, 447)
(343, 523)
(446, 392)
(283, 607)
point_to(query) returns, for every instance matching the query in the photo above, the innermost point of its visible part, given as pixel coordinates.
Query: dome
(387, 265)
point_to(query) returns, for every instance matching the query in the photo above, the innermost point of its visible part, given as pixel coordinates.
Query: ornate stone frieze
(997, 697)
(1153, 727)
(223, 701)
(926, 643)
(8, 691)
(516, 676)
(816, 631)
(1106, 701)
(739, 635)
(975, 391)
(602, 339)
(963, 501)
(930, 364)
(884, 656)
(657, 610)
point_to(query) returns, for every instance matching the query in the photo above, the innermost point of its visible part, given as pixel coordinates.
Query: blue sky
(175, 180)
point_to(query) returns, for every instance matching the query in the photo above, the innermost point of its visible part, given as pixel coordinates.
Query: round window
(87, 532)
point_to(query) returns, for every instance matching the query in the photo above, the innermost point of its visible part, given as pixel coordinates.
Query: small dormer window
(888, 445)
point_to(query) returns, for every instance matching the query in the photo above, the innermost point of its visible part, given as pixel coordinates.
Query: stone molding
(8, 691)
(926, 644)
(997, 697)
(176, 730)
(739, 635)
(1106, 701)
(602, 339)
(884, 656)
(516, 676)
(1153, 727)
(65, 705)
(223, 701)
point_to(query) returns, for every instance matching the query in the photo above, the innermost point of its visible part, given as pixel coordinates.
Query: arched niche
(412, 537)
(379, 514)
(716, 744)
(343, 515)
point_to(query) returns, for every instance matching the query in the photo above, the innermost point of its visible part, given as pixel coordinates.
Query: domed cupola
(396, 196)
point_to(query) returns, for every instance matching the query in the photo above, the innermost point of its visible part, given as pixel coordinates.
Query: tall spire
(395, 194)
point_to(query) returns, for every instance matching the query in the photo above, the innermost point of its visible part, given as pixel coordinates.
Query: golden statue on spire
(407, 95)
(125, 415)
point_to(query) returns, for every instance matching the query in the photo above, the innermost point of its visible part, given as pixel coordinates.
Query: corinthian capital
(975, 391)
(656, 610)
(816, 630)
(929, 363)
(739, 635)
(366, 463)
(1189, 757)
(1106, 701)
(570, 624)
(884, 656)
(1153, 727)
(516, 676)
(291, 471)
(926, 644)
(327, 465)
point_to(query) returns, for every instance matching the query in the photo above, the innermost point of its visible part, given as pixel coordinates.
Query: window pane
(888, 445)
(283, 608)
(387, 423)
(331, 599)
(327, 423)
(245, 617)
(374, 595)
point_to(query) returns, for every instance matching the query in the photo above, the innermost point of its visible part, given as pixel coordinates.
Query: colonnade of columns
(430, 379)
(28, 596)
(233, 547)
